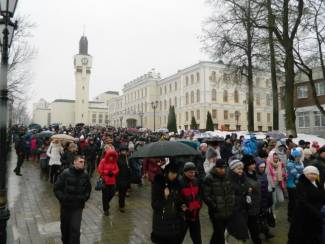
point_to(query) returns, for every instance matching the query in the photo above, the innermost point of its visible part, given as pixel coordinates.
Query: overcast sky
(126, 39)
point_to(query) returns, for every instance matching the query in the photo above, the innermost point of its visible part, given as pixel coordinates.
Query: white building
(70, 112)
(203, 87)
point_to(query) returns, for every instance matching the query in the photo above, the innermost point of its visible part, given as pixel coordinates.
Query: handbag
(270, 218)
(100, 184)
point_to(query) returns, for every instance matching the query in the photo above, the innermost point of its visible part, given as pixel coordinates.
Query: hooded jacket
(108, 168)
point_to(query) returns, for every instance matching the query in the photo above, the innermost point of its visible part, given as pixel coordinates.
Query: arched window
(192, 96)
(186, 98)
(214, 95)
(198, 95)
(236, 96)
(225, 96)
(197, 77)
(165, 104)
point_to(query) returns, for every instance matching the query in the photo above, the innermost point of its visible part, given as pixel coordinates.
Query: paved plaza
(35, 214)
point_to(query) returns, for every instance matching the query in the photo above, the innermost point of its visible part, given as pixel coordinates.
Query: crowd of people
(241, 181)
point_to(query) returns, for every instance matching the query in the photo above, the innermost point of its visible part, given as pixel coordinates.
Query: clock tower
(82, 70)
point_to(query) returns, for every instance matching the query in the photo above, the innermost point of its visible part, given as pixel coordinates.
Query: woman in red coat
(108, 170)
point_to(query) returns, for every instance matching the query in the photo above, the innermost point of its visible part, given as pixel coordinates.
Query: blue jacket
(294, 170)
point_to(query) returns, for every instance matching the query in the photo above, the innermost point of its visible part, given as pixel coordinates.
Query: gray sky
(126, 39)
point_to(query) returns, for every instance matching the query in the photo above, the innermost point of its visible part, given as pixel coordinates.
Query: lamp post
(7, 27)
(141, 117)
(154, 105)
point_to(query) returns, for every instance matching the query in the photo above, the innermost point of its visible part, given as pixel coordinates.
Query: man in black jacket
(91, 154)
(123, 177)
(72, 189)
(219, 195)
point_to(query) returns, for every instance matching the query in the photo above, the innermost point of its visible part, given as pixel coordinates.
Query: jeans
(108, 193)
(54, 172)
(195, 231)
(70, 225)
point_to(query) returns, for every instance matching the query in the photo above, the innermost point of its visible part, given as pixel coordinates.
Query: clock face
(84, 61)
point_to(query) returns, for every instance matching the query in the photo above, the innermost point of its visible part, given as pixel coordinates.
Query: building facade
(193, 91)
(81, 110)
(309, 120)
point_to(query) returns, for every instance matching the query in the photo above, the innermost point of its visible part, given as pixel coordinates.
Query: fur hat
(235, 163)
(310, 169)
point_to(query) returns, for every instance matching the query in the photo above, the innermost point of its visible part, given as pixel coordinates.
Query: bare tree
(231, 34)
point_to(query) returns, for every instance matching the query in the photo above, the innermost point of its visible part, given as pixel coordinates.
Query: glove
(110, 174)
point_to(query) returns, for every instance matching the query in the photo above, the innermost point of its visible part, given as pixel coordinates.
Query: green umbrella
(165, 149)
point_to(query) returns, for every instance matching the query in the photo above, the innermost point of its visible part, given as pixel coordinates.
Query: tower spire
(83, 45)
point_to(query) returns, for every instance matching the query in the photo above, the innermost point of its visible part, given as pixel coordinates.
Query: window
(302, 92)
(83, 88)
(269, 128)
(186, 98)
(260, 128)
(225, 96)
(268, 99)
(165, 104)
(170, 102)
(214, 95)
(198, 114)
(145, 91)
(160, 106)
(197, 77)
(213, 76)
(192, 79)
(170, 87)
(214, 113)
(186, 116)
(236, 96)
(192, 114)
(320, 88)
(100, 118)
(192, 96)
(175, 86)
(198, 95)
(319, 119)
(82, 101)
(175, 102)
(268, 117)
(258, 81)
(258, 117)
(93, 118)
(225, 114)
(165, 89)
(258, 99)
(303, 119)
(186, 79)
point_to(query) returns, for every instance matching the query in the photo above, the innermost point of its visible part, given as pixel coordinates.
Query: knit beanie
(310, 169)
(189, 166)
(235, 163)
(321, 150)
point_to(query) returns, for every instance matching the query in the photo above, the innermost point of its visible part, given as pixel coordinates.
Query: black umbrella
(45, 134)
(165, 149)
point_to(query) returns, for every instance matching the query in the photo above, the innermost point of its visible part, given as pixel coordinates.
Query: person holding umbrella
(167, 222)
(54, 153)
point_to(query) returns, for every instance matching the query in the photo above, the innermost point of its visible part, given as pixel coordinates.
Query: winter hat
(248, 160)
(296, 153)
(321, 150)
(301, 143)
(220, 163)
(235, 163)
(310, 169)
(260, 161)
(307, 151)
(171, 167)
(211, 153)
(189, 166)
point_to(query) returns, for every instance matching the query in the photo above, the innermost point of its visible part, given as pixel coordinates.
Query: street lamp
(7, 27)
(154, 105)
(141, 117)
